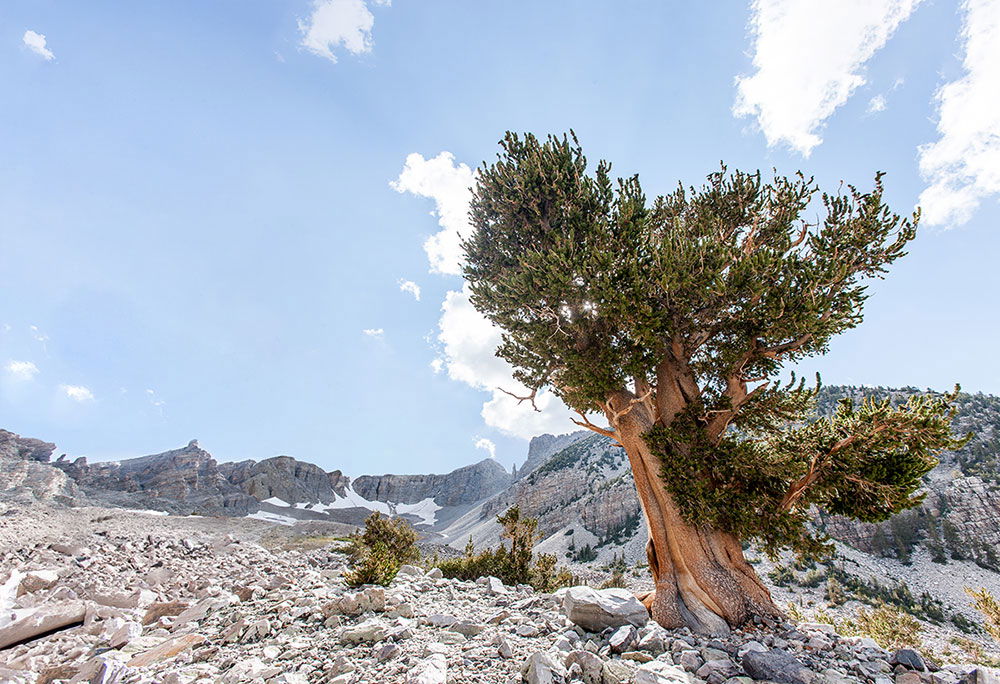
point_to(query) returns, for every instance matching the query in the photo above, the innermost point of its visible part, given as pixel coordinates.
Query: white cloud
(487, 445)
(22, 370)
(809, 58)
(411, 287)
(335, 23)
(77, 393)
(450, 186)
(963, 166)
(469, 342)
(36, 43)
(377, 333)
(876, 104)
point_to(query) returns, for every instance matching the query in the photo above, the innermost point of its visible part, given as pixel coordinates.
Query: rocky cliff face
(287, 479)
(24, 448)
(25, 481)
(463, 486)
(186, 480)
(544, 447)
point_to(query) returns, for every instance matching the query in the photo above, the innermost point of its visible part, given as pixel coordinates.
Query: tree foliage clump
(377, 552)
(512, 565)
(865, 462)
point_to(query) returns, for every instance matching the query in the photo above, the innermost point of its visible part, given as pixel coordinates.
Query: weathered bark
(701, 577)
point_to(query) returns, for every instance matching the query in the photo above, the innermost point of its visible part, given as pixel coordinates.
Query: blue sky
(197, 224)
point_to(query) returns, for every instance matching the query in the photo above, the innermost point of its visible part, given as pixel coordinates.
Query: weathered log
(46, 619)
(165, 649)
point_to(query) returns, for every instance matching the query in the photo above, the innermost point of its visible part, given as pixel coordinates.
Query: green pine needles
(671, 320)
(865, 462)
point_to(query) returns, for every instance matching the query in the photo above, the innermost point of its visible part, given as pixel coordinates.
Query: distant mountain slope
(577, 485)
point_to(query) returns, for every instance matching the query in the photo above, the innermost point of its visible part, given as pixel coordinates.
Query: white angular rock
(128, 631)
(433, 670)
(658, 672)
(543, 668)
(591, 666)
(596, 610)
(369, 631)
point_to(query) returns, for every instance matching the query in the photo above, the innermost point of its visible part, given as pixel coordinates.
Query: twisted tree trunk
(701, 577)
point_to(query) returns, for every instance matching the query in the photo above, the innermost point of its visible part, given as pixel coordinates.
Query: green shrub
(987, 604)
(975, 652)
(963, 623)
(813, 578)
(889, 627)
(835, 594)
(781, 575)
(585, 554)
(513, 565)
(617, 580)
(377, 553)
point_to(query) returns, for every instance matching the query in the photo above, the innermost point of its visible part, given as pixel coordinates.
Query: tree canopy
(691, 304)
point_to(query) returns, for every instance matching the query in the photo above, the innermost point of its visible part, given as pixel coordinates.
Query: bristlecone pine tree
(670, 321)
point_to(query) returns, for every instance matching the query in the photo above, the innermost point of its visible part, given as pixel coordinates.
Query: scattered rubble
(98, 595)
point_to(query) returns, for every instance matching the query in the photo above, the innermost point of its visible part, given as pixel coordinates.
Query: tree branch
(601, 431)
(798, 488)
(530, 397)
(617, 415)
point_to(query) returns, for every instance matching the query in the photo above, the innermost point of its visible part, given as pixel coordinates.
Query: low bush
(781, 575)
(987, 604)
(617, 580)
(377, 553)
(513, 565)
(889, 627)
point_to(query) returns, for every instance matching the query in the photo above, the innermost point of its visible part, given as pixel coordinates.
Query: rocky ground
(110, 595)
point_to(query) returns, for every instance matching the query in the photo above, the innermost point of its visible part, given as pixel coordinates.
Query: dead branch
(601, 431)
(530, 397)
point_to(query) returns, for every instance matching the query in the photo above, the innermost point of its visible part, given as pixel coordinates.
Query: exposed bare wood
(584, 422)
(529, 397)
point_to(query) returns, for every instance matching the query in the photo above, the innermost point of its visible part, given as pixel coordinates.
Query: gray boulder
(775, 666)
(543, 668)
(591, 665)
(596, 610)
(909, 659)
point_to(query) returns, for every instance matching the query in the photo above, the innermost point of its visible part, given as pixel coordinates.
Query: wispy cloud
(450, 186)
(809, 58)
(411, 287)
(877, 104)
(77, 393)
(40, 337)
(22, 370)
(487, 445)
(963, 166)
(338, 23)
(377, 333)
(155, 401)
(36, 43)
